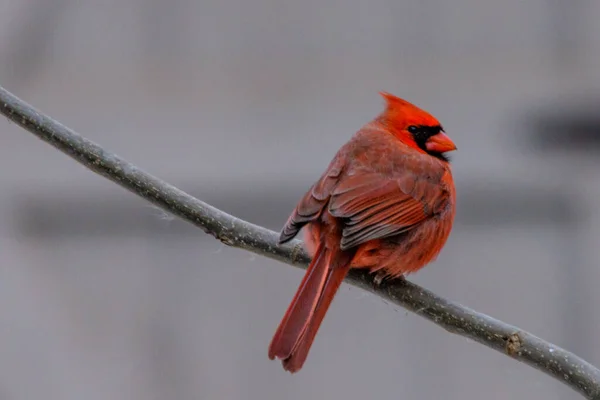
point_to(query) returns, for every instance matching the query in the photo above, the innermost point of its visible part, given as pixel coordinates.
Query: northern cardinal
(386, 202)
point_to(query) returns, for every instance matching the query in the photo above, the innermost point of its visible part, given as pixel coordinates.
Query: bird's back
(373, 156)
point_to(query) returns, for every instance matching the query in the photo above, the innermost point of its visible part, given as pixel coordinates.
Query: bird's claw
(382, 276)
(379, 277)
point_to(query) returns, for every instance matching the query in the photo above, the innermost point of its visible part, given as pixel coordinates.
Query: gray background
(243, 104)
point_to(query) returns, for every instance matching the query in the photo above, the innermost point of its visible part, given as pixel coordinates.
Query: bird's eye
(413, 129)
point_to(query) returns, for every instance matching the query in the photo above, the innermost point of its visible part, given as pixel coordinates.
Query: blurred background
(243, 104)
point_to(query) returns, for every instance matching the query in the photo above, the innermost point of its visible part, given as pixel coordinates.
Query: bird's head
(415, 127)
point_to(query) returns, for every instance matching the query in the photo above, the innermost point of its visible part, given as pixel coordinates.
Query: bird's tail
(298, 328)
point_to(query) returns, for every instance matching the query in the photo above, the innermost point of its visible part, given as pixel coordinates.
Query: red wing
(313, 202)
(371, 204)
(375, 207)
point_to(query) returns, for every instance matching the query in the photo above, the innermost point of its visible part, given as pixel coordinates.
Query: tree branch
(453, 317)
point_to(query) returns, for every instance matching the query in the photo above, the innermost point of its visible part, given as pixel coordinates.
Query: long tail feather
(298, 328)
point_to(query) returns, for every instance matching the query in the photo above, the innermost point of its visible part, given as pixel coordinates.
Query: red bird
(386, 202)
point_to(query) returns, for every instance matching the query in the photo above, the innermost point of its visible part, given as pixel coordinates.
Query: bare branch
(453, 317)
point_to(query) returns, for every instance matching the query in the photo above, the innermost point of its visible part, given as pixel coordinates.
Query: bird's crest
(402, 113)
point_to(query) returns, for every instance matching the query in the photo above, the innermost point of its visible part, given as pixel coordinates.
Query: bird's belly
(396, 255)
(404, 253)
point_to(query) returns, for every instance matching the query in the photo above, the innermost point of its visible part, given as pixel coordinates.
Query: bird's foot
(379, 278)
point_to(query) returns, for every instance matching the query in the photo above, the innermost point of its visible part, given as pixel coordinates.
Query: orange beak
(440, 143)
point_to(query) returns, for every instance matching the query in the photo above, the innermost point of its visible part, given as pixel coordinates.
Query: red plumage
(386, 202)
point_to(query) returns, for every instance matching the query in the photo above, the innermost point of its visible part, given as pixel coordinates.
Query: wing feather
(373, 204)
(375, 207)
(312, 204)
